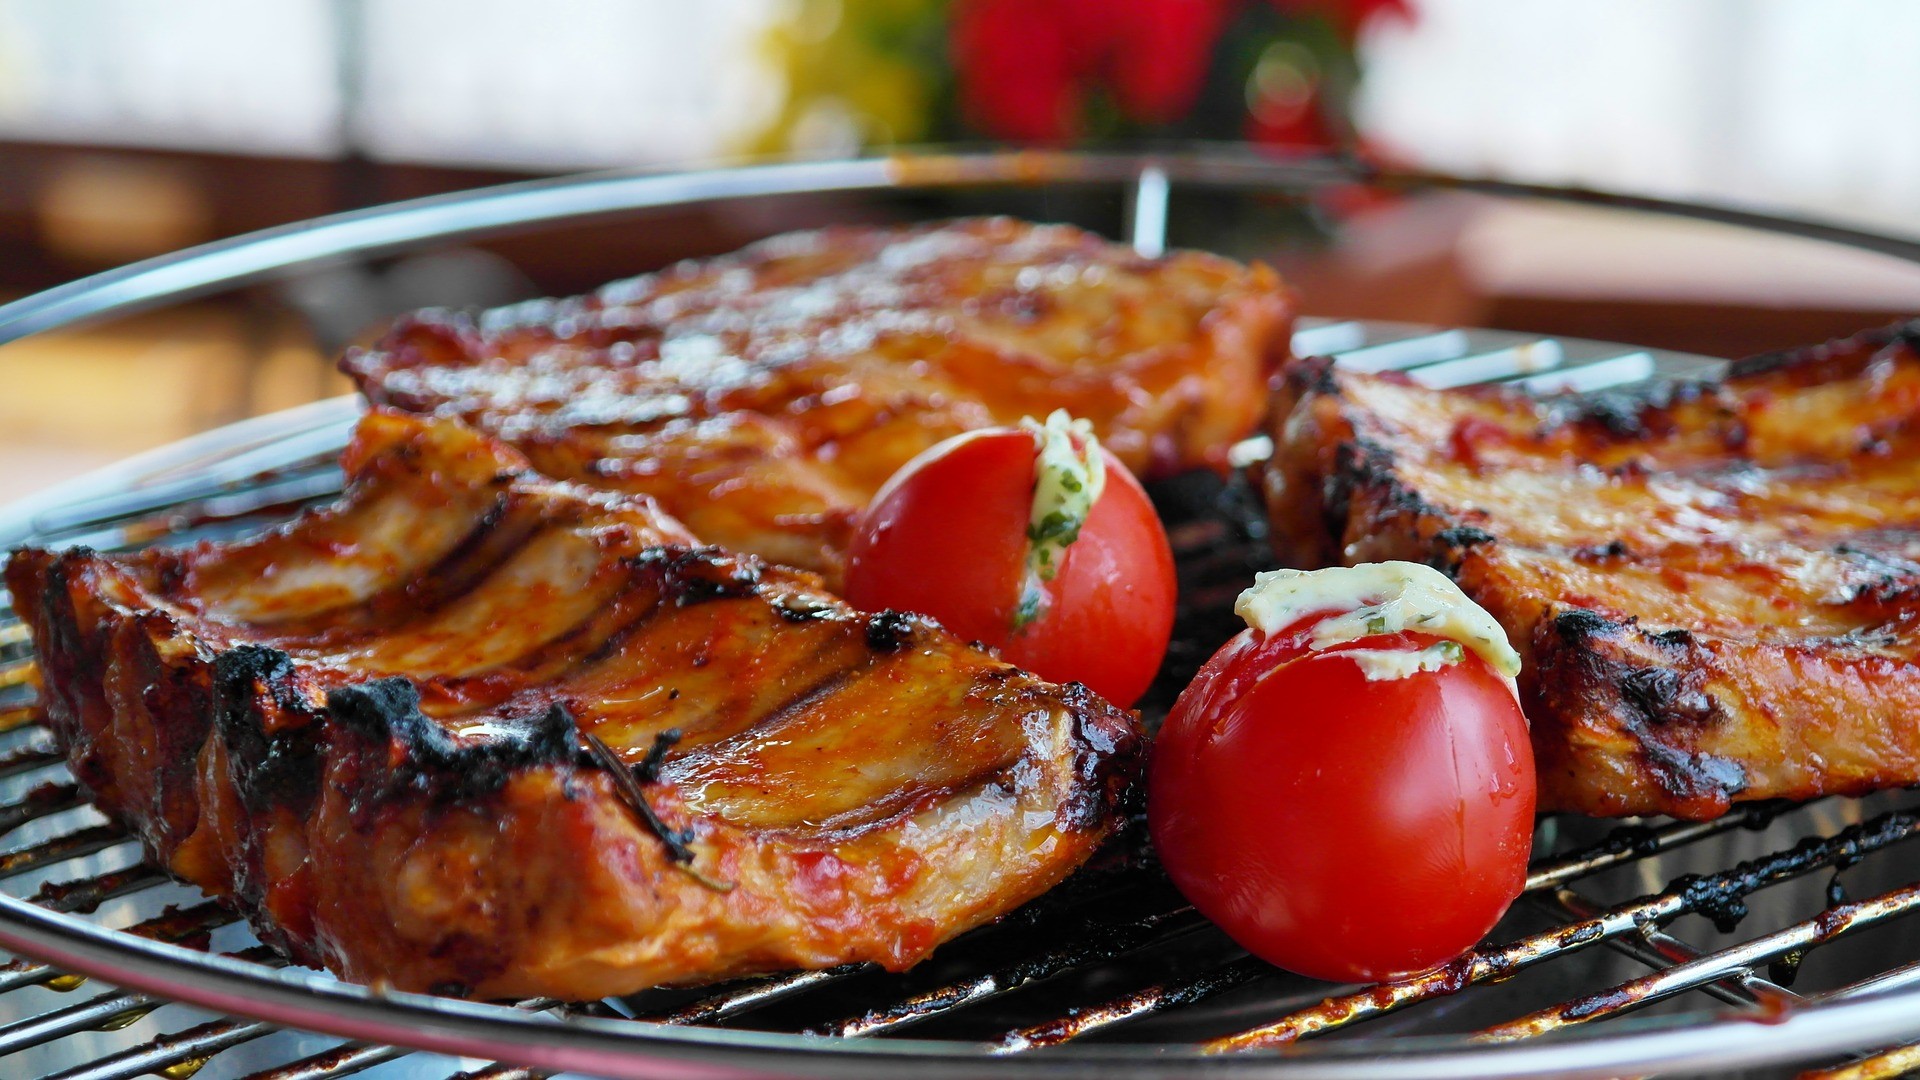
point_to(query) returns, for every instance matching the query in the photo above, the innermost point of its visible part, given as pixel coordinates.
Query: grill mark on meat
(643, 579)
(600, 635)
(679, 577)
(808, 697)
(706, 741)
(673, 578)
(813, 702)
(1010, 779)
(594, 637)
(1635, 414)
(676, 577)
(500, 534)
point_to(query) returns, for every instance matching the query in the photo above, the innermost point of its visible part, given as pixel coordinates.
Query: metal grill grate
(1113, 957)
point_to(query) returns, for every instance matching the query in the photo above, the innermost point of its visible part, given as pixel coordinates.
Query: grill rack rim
(1858, 1023)
(604, 1047)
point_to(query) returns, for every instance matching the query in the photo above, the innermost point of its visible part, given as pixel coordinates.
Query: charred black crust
(1622, 416)
(1694, 774)
(433, 762)
(56, 604)
(1644, 412)
(1578, 626)
(1366, 472)
(1655, 695)
(1312, 375)
(170, 573)
(1667, 696)
(268, 770)
(1362, 466)
(1896, 579)
(65, 648)
(803, 608)
(184, 694)
(1109, 756)
(1901, 333)
(890, 631)
(697, 575)
(1460, 537)
(1612, 549)
(1628, 415)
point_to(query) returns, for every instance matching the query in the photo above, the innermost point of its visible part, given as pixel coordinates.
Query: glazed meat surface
(1715, 585)
(369, 729)
(763, 397)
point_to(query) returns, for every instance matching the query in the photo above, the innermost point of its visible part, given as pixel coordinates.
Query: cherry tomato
(1344, 828)
(950, 535)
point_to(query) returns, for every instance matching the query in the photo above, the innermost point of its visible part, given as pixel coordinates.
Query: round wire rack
(1696, 929)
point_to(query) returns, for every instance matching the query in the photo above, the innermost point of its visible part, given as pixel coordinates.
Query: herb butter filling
(1379, 598)
(1069, 473)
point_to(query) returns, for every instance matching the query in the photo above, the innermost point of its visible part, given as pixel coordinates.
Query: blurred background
(130, 128)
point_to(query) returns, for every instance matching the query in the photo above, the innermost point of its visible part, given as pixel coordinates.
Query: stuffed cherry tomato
(1347, 787)
(1034, 540)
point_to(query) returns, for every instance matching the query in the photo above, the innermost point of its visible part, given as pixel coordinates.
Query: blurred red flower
(1019, 68)
(1349, 15)
(1026, 68)
(1160, 50)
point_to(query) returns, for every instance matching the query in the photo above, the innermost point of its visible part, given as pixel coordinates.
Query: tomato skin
(1344, 829)
(947, 537)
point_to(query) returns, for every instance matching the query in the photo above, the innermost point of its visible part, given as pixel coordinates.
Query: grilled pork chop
(1716, 586)
(372, 730)
(763, 397)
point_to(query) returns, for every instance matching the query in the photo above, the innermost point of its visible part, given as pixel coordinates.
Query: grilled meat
(1715, 585)
(763, 397)
(369, 730)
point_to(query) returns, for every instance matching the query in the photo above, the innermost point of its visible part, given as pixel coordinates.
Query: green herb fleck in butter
(1380, 665)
